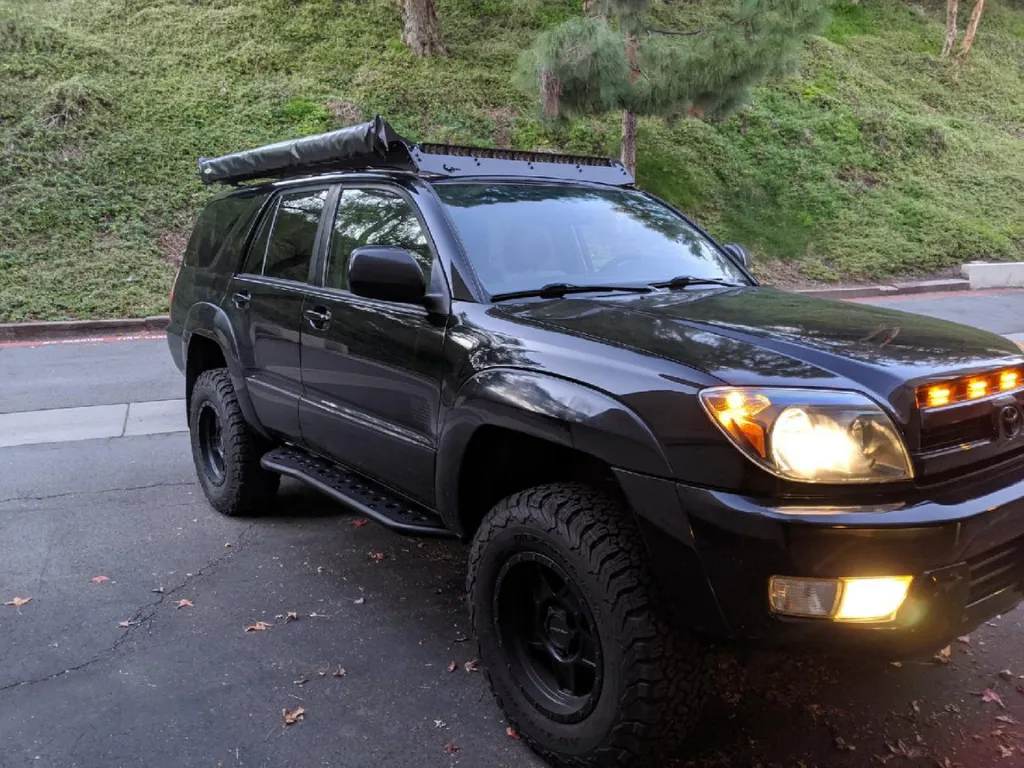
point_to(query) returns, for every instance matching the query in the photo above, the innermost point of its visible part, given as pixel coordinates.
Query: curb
(894, 289)
(67, 329)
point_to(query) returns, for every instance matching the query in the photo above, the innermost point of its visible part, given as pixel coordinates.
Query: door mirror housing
(386, 273)
(739, 253)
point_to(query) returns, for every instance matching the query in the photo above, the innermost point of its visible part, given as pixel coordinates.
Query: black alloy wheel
(542, 617)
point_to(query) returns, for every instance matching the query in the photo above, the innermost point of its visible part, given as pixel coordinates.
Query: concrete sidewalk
(998, 311)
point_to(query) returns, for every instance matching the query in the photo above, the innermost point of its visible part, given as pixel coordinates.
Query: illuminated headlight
(874, 599)
(813, 436)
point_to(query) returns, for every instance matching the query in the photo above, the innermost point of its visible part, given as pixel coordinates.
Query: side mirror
(739, 253)
(386, 273)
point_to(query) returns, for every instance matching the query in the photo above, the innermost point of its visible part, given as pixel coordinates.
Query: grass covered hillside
(876, 158)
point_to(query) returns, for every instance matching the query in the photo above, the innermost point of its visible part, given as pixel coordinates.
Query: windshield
(524, 236)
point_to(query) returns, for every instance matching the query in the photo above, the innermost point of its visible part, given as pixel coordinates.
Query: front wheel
(573, 631)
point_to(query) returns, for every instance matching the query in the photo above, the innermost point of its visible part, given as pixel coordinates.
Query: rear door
(264, 302)
(371, 369)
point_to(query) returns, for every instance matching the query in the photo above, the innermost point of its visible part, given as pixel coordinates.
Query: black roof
(376, 145)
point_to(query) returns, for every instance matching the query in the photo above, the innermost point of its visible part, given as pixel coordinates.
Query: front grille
(996, 569)
(979, 428)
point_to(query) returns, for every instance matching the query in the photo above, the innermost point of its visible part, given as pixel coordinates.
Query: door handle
(242, 299)
(319, 317)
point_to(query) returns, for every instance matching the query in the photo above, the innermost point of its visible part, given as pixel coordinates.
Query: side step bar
(356, 492)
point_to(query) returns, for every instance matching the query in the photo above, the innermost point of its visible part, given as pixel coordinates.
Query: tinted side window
(374, 217)
(258, 250)
(293, 238)
(220, 216)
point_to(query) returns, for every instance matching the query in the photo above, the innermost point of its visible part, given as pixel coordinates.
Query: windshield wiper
(558, 290)
(686, 280)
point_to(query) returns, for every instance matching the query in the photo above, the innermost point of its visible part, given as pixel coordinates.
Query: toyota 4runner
(647, 449)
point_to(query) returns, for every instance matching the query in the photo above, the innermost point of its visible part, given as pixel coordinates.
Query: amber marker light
(938, 396)
(1009, 380)
(976, 388)
(735, 411)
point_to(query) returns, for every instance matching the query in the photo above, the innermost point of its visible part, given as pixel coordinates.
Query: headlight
(813, 436)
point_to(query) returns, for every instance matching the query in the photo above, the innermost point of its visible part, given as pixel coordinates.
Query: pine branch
(677, 33)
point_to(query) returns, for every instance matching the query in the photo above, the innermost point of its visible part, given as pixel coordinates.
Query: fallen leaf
(19, 601)
(473, 665)
(259, 626)
(359, 600)
(452, 667)
(989, 695)
(339, 672)
(843, 744)
(440, 724)
(451, 749)
(896, 664)
(291, 616)
(315, 615)
(126, 624)
(301, 681)
(511, 732)
(291, 717)
(359, 522)
(1005, 751)
(916, 706)
(1006, 719)
(184, 603)
(965, 639)
(1006, 674)
(99, 579)
(943, 656)
(158, 590)
(228, 545)
(378, 556)
(945, 762)
(460, 638)
(901, 749)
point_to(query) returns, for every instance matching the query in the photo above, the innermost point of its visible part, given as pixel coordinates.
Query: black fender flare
(540, 405)
(211, 322)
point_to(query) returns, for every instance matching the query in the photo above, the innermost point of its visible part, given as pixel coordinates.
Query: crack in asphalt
(142, 615)
(95, 493)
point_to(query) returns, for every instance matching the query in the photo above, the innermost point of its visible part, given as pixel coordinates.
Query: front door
(371, 369)
(264, 302)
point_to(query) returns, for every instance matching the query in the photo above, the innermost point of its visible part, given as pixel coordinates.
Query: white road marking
(61, 425)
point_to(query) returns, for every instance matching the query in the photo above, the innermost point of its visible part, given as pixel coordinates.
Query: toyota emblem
(1011, 419)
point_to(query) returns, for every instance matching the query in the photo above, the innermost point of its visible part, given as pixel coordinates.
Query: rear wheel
(574, 634)
(226, 450)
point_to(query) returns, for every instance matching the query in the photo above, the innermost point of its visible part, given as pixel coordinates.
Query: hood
(763, 336)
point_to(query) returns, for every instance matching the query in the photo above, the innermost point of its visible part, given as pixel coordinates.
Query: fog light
(842, 599)
(875, 599)
(804, 597)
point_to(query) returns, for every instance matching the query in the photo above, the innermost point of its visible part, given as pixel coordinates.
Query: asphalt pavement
(152, 665)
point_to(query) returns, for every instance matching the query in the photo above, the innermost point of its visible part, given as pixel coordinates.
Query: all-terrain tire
(241, 486)
(653, 674)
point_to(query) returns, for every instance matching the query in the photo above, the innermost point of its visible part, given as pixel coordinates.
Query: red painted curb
(80, 329)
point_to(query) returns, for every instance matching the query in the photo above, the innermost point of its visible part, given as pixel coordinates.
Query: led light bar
(968, 388)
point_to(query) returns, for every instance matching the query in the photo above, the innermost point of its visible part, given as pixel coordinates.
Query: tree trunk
(952, 6)
(421, 31)
(972, 30)
(628, 148)
(550, 93)
(628, 153)
(588, 5)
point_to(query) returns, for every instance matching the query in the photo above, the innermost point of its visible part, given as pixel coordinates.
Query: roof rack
(376, 145)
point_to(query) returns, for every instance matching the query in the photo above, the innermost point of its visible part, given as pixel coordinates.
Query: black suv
(646, 449)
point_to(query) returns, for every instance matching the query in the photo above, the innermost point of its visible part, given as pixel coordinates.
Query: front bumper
(964, 546)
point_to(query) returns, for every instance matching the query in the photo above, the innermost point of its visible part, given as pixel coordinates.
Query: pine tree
(421, 32)
(612, 60)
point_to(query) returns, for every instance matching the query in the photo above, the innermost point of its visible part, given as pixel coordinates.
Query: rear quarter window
(223, 222)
